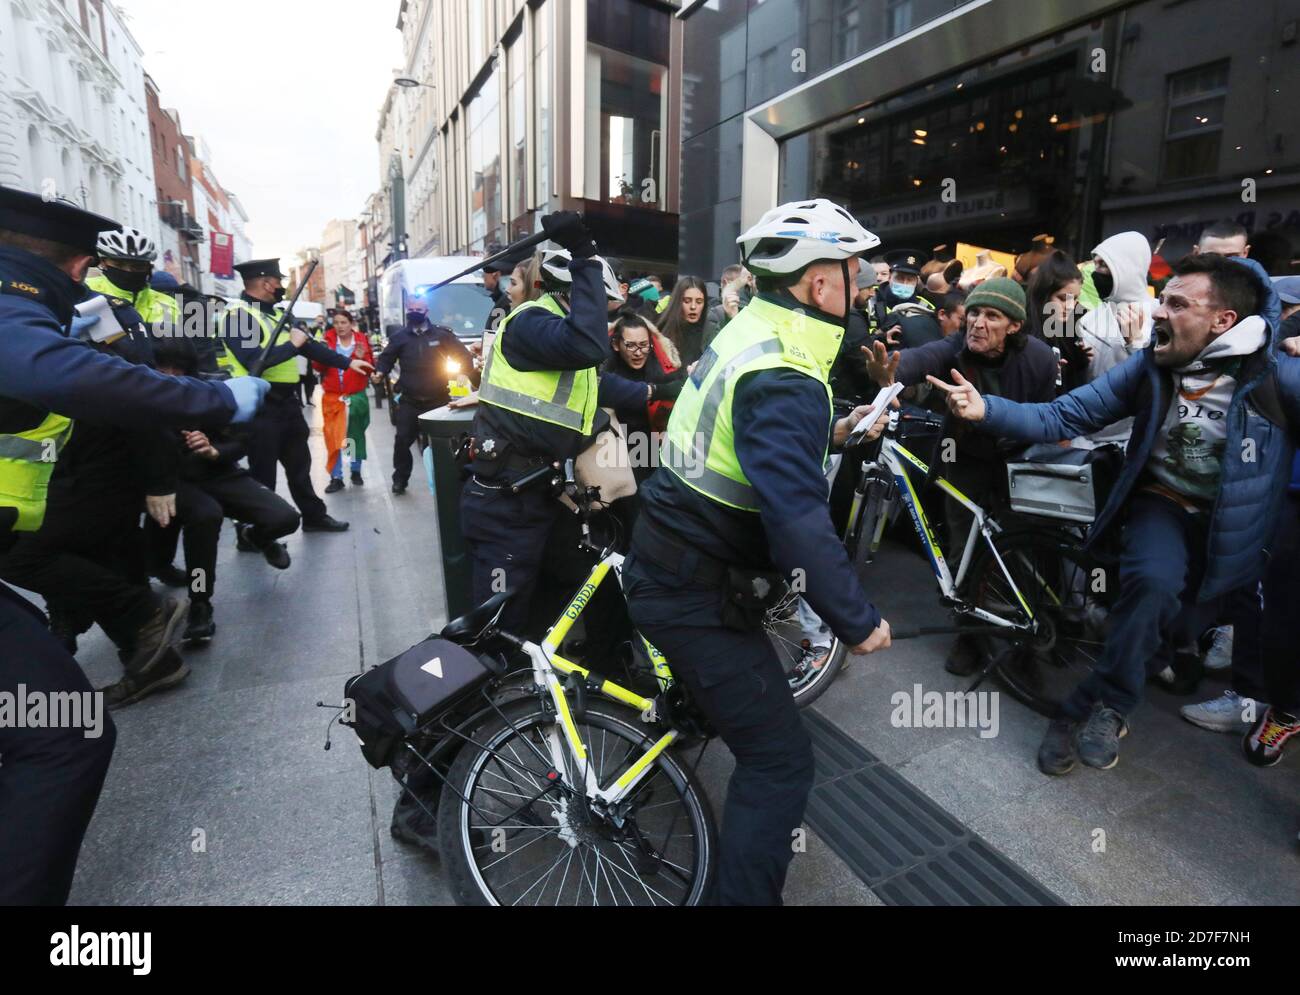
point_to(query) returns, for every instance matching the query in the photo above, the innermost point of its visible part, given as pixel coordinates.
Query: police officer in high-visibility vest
(126, 260)
(740, 497)
(50, 777)
(279, 433)
(539, 401)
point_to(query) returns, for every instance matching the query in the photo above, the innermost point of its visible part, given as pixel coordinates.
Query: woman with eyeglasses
(643, 355)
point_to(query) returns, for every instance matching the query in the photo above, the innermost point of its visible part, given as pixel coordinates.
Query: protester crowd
(1183, 366)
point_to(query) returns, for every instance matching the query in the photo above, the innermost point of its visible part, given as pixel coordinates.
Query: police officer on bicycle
(538, 404)
(740, 499)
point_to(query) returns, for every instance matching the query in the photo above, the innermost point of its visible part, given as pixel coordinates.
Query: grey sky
(286, 93)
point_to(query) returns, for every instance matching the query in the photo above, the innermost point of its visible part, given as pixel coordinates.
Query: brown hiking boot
(156, 636)
(169, 671)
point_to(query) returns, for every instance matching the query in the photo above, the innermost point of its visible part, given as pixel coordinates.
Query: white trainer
(1229, 712)
(1219, 655)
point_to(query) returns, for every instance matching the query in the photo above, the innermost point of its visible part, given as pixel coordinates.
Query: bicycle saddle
(469, 627)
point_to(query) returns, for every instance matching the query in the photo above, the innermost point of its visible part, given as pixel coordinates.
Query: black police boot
(277, 555)
(356, 478)
(157, 636)
(325, 524)
(172, 576)
(168, 672)
(964, 658)
(244, 540)
(412, 824)
(399, 488)
(200, 627)
(334, 486)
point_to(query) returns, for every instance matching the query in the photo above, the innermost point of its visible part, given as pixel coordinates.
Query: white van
(464, 306)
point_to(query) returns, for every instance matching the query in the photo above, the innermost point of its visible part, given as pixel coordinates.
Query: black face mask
(279, 294)
(416, 318)
(131, 282)
(1104, 282)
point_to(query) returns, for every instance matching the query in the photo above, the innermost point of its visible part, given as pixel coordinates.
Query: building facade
(990, 121)
(525, 108)
(73, 111)
(180, 232)
(222, 216)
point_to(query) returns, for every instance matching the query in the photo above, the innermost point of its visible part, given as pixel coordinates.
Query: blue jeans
(1160, 569)
(336, 468)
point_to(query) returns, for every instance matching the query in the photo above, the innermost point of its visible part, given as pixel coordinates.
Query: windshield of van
(462, 307)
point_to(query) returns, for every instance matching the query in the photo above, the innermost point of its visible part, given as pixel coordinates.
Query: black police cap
(258, 267)
(906, 261)
(56, 220)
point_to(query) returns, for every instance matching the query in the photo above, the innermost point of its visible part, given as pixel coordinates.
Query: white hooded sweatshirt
(1187, 457)
(1128, 257)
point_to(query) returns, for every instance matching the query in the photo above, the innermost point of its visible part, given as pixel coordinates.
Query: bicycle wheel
(799, 658)
(1066, 589)
(513, 831)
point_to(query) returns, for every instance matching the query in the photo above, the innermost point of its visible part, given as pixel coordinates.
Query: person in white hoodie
(1121, 325)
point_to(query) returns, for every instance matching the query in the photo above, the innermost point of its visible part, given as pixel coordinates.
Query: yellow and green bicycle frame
(564, 735)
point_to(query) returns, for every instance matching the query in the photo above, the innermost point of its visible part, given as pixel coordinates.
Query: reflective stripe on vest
(149, 303)
(560, 397)
(285, 372)
(699, 445)
(26, 463)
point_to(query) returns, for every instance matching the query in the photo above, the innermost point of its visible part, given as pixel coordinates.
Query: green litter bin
(445, 428)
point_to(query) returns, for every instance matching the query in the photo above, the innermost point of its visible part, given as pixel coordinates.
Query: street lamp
(407, 83)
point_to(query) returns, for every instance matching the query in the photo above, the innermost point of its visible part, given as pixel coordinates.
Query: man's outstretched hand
(881, 363)
(964, 400)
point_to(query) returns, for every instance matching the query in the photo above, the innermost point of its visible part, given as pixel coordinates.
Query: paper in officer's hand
(108, 327)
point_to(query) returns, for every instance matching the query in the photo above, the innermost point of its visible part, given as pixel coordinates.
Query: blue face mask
(903, 291)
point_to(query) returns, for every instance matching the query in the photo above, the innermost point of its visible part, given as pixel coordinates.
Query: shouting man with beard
(1203, 483)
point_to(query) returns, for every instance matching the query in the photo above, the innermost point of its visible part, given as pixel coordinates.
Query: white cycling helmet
(789, 237)
(555, 272)
(129, 243)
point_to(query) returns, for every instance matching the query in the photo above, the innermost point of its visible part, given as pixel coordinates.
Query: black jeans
(50, 778)
(278, 435)
(200, 509)
(90, 568)
(736, 680)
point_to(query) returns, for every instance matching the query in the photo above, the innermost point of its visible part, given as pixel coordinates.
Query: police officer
(903, 285)
(279, 433)
(740, 495)
(538, 404)
(126, 260)
(50, 778)
(430, 357)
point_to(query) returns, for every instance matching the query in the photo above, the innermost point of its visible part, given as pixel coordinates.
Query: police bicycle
(552, 784)
(1033, 598)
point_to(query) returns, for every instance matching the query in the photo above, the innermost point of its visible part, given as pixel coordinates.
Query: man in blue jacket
(50, 777)
(1203, 482)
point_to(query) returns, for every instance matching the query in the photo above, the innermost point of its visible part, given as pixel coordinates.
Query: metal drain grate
(903, 846)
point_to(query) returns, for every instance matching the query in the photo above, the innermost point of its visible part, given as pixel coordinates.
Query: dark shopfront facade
(992, 121)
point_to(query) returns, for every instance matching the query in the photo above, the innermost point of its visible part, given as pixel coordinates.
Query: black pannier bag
(1063, 482)
(394, 699)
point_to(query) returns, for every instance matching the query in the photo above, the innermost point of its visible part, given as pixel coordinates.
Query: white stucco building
(73, 117)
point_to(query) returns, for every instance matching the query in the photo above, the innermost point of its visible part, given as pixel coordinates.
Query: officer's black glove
(567, 230)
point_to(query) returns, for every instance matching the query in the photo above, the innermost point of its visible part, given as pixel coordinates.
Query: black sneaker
(356, 479)
(963, 659)
(172, 576)
(244, 539)
(325, 524)
(398, 488)
(277, 555)
(1100, 736)
(1059, 750)
(157, 636)
(169, 672)
(200, 627)
(334, 486)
